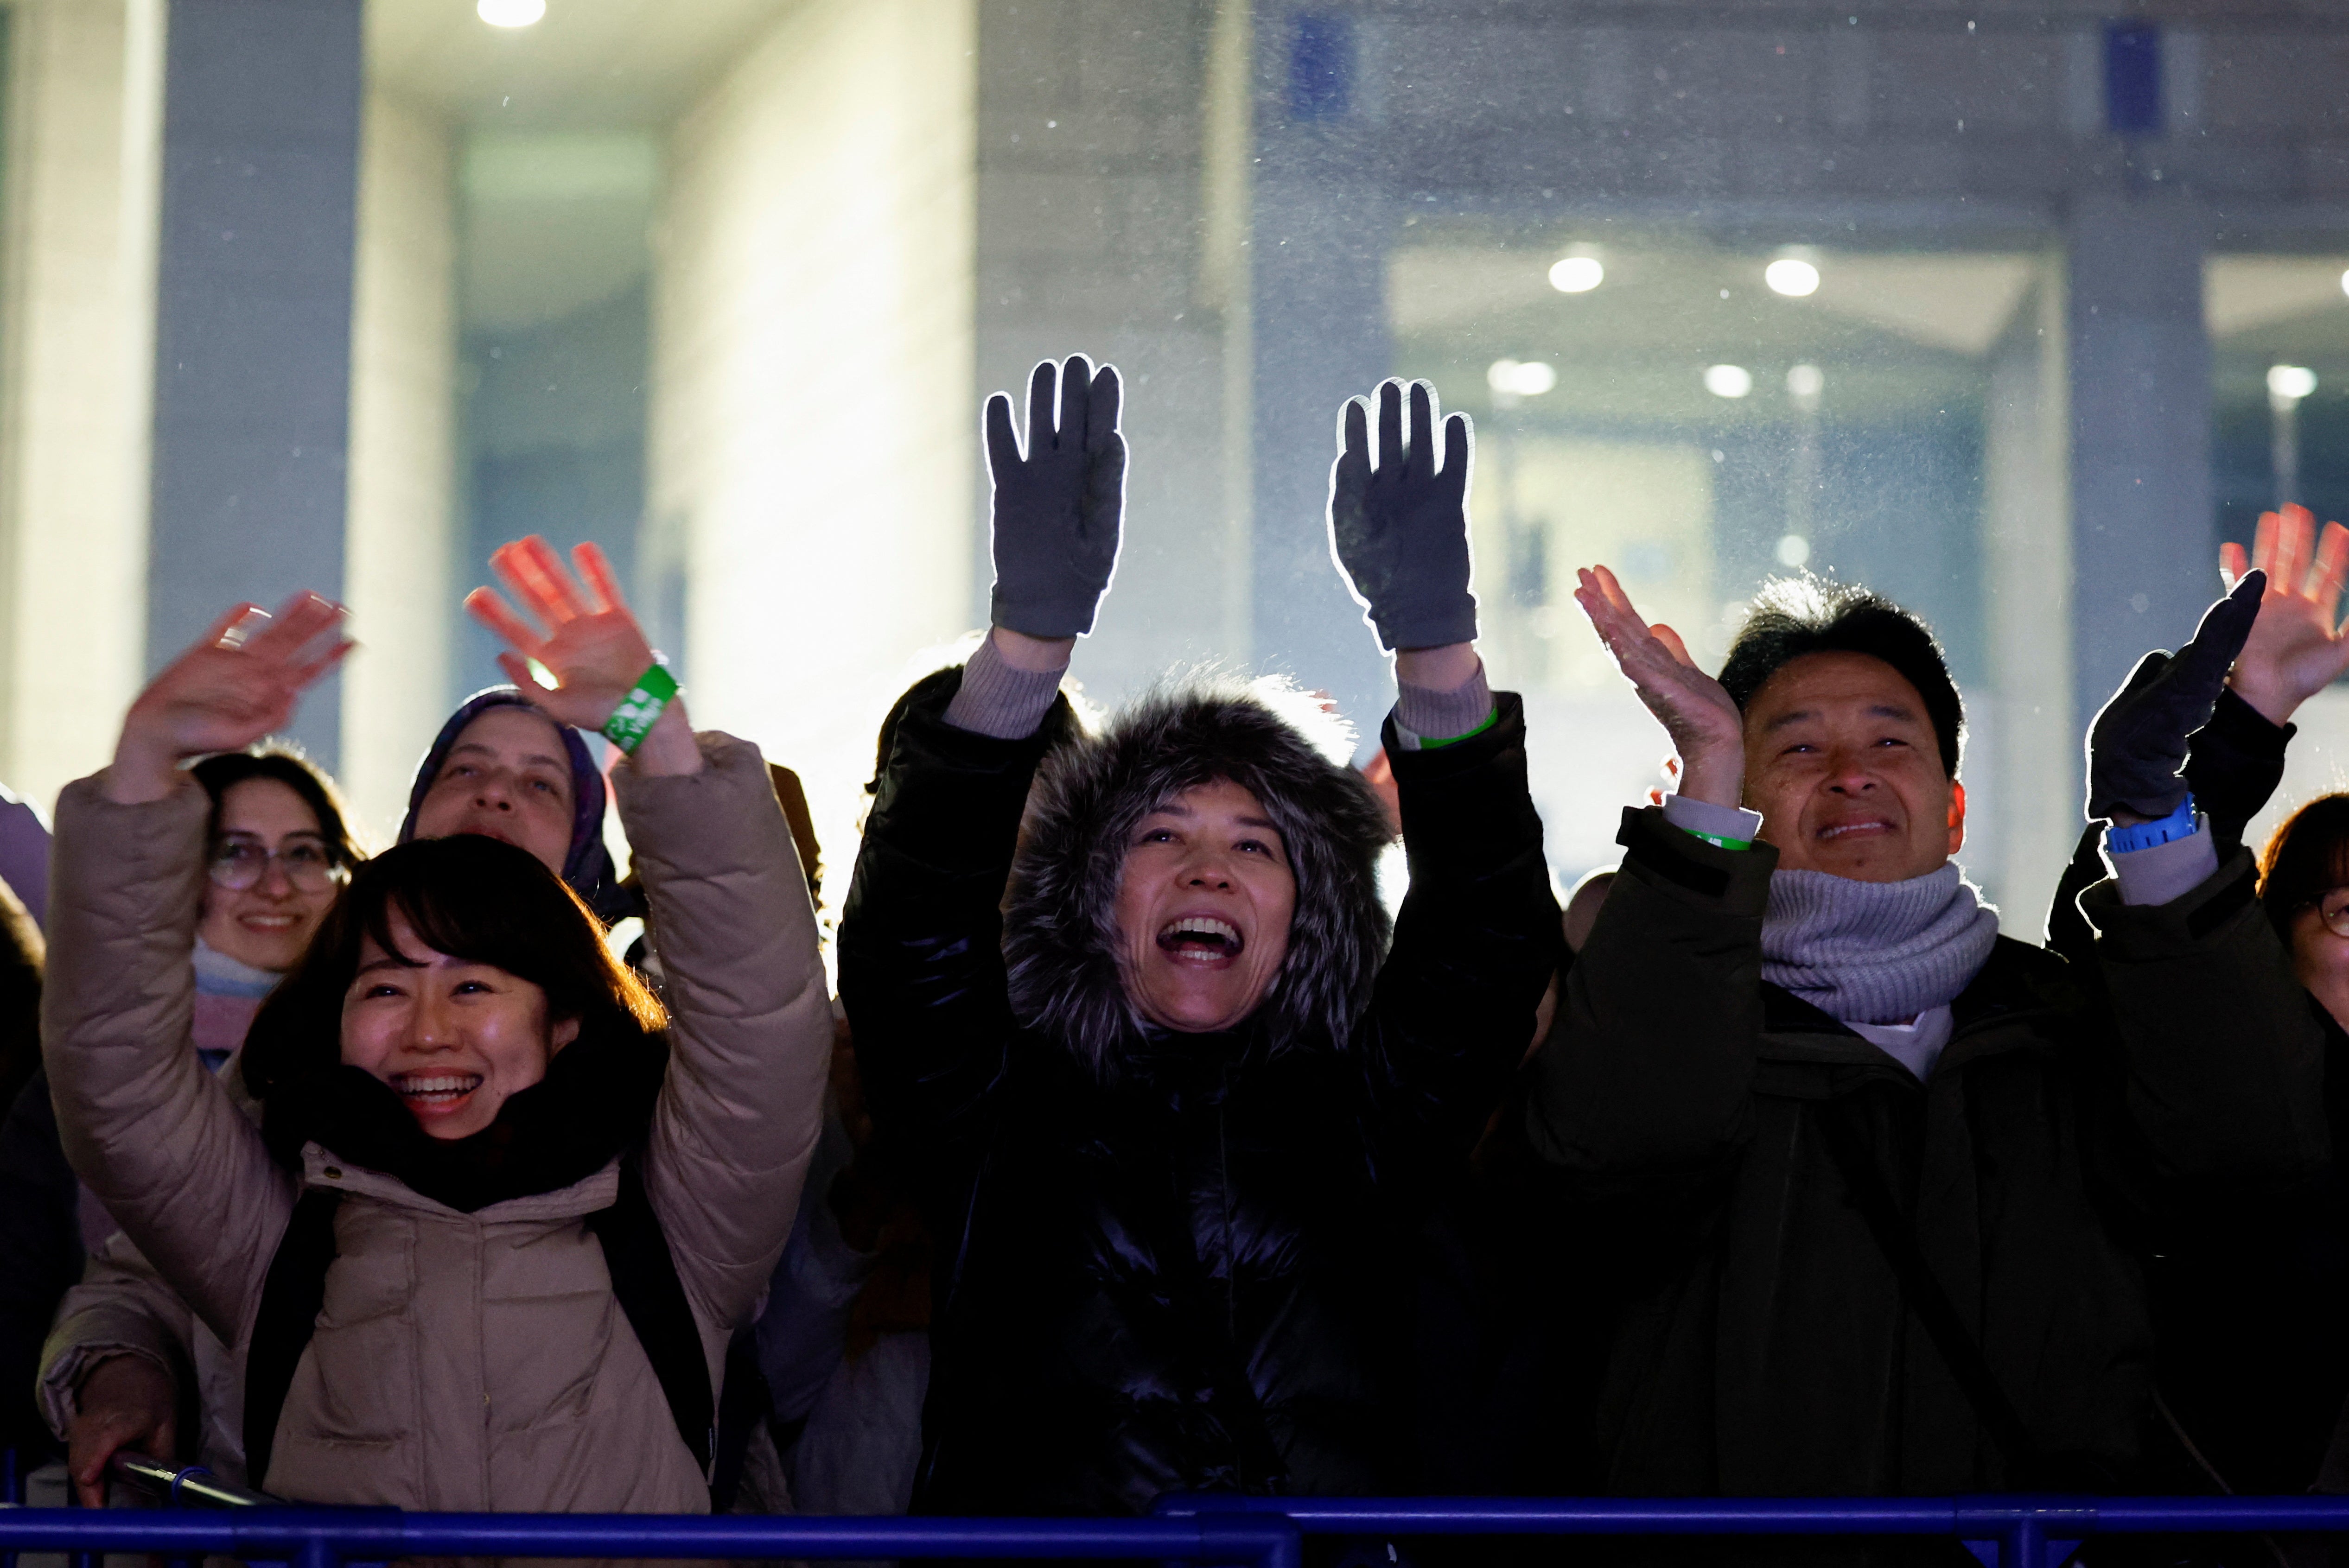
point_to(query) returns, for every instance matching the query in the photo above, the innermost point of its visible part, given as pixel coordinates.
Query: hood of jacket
(1060, 940)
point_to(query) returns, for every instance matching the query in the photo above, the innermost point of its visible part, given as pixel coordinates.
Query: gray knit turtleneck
(1875, 953)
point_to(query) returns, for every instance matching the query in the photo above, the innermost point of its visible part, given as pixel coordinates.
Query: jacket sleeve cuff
(1677, 862)
(2146, 933)
(996, 699)
(1707, 820)
(2166, 872)
(1424, 716)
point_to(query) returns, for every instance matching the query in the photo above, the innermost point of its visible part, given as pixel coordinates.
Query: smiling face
(452, 1038)
(1203, 903)
(507, 776)
(268, 925)
(1842, 763)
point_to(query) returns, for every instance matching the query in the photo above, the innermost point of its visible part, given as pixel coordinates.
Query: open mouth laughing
(1201, 939)
(428, 1092)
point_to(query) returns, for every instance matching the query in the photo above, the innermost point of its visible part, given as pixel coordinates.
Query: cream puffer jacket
(461, 1361)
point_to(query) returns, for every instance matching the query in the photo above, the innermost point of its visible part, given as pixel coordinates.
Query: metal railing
(1216, 1531)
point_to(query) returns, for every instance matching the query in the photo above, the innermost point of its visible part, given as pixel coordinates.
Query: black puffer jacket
(1173, 1260)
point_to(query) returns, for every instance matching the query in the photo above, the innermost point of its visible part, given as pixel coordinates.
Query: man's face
(1841, 761)
(1204, 906)
(508, 777)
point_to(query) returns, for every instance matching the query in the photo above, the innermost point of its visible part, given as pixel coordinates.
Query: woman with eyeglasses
(123, 1344)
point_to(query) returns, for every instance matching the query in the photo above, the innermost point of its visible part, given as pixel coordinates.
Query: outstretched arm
(147, 1130)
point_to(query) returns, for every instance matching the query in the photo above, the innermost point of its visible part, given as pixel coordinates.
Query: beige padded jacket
(461, 1361)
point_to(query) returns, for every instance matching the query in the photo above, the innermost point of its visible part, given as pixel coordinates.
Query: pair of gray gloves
(1397, 527)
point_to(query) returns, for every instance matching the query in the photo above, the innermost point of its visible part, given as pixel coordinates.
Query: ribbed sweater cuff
(1707, 820)
(2168, 871)
(1000, 701)
(1424, 716)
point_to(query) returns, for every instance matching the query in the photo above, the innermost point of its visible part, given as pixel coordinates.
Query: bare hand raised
(592, 644)
(2296, 647)
(1704, 722)
(237, 684)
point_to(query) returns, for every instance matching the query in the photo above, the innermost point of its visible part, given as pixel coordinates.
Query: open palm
(2296, 647)
(1695, 710)
(590, 643)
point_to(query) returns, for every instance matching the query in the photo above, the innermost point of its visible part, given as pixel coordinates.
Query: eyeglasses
(2333, 909)
(240, 863)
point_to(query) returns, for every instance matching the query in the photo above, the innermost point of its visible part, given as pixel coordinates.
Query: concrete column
(2143, 548)
(252, 333)
(76, 346)
(2023, 761)
(398, 544)
(1319, 243)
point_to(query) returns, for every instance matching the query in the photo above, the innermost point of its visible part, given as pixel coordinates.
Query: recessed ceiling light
(1728, 380)
(1787, 276)
(510, 12)
(1576, 275)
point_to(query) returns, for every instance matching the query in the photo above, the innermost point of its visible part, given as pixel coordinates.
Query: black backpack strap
(1871, 1194)
(291, 1298)
(643, 1279)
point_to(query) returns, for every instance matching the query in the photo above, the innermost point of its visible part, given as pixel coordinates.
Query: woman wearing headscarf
(1175, 1097)
(503, 1209)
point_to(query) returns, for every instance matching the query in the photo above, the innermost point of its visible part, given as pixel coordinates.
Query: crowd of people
(1140, 1151)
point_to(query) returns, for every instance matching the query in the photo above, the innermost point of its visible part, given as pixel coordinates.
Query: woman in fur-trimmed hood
(1173, 1099)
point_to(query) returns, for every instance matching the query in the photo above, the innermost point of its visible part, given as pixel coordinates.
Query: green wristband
(641, 709)
(1716, 840)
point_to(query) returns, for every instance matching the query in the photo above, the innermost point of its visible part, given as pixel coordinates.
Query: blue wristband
(2181, 823)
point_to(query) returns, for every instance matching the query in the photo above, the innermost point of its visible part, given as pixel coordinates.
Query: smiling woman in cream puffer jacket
(503, 1212)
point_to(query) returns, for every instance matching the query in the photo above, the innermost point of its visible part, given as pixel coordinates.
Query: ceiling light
(1787, 276)
(510, 12)
(1794, 550)
(1728, 380)
(1580, 274)
(1806, 380)
(2291, 381)
(1528, 378)
(2345, 282)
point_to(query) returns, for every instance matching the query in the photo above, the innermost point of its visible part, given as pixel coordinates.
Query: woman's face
(2321, 958)
(267, 837)
(453, 1038)
(1204, 906)
(507, 776)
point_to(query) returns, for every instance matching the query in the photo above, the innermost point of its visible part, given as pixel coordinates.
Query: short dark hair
(2305, 859)
(469, 896)
(286, 763)
(1795, 616)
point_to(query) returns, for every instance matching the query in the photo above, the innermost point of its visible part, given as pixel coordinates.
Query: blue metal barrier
(1209, 1532)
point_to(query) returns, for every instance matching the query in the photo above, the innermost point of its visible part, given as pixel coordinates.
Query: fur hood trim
(1060, 921)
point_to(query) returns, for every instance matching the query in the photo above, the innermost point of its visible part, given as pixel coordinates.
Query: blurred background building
(2013, 311)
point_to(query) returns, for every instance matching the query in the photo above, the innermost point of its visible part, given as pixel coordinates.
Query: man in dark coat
(1876, 1138)
(1176, 1096)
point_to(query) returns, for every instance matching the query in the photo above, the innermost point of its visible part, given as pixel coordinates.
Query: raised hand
(239, 682)
(1059, 504)
(2296, 647)
(591, 644)
(2137, 745)
(1399, 528)
(1695, 710)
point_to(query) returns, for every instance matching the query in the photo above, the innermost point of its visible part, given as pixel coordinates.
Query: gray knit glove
(1399, 531)
(1058, 507)
(2137, 745)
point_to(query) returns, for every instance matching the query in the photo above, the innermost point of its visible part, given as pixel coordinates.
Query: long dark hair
(285, 763)
(2306, 857)
(472, 898)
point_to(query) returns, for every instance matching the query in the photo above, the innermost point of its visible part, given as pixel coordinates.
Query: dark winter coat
(1172, 1262)
(1769, 1349)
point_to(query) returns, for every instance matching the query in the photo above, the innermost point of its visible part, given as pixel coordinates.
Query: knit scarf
(1875, 953)
(594, 1102)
